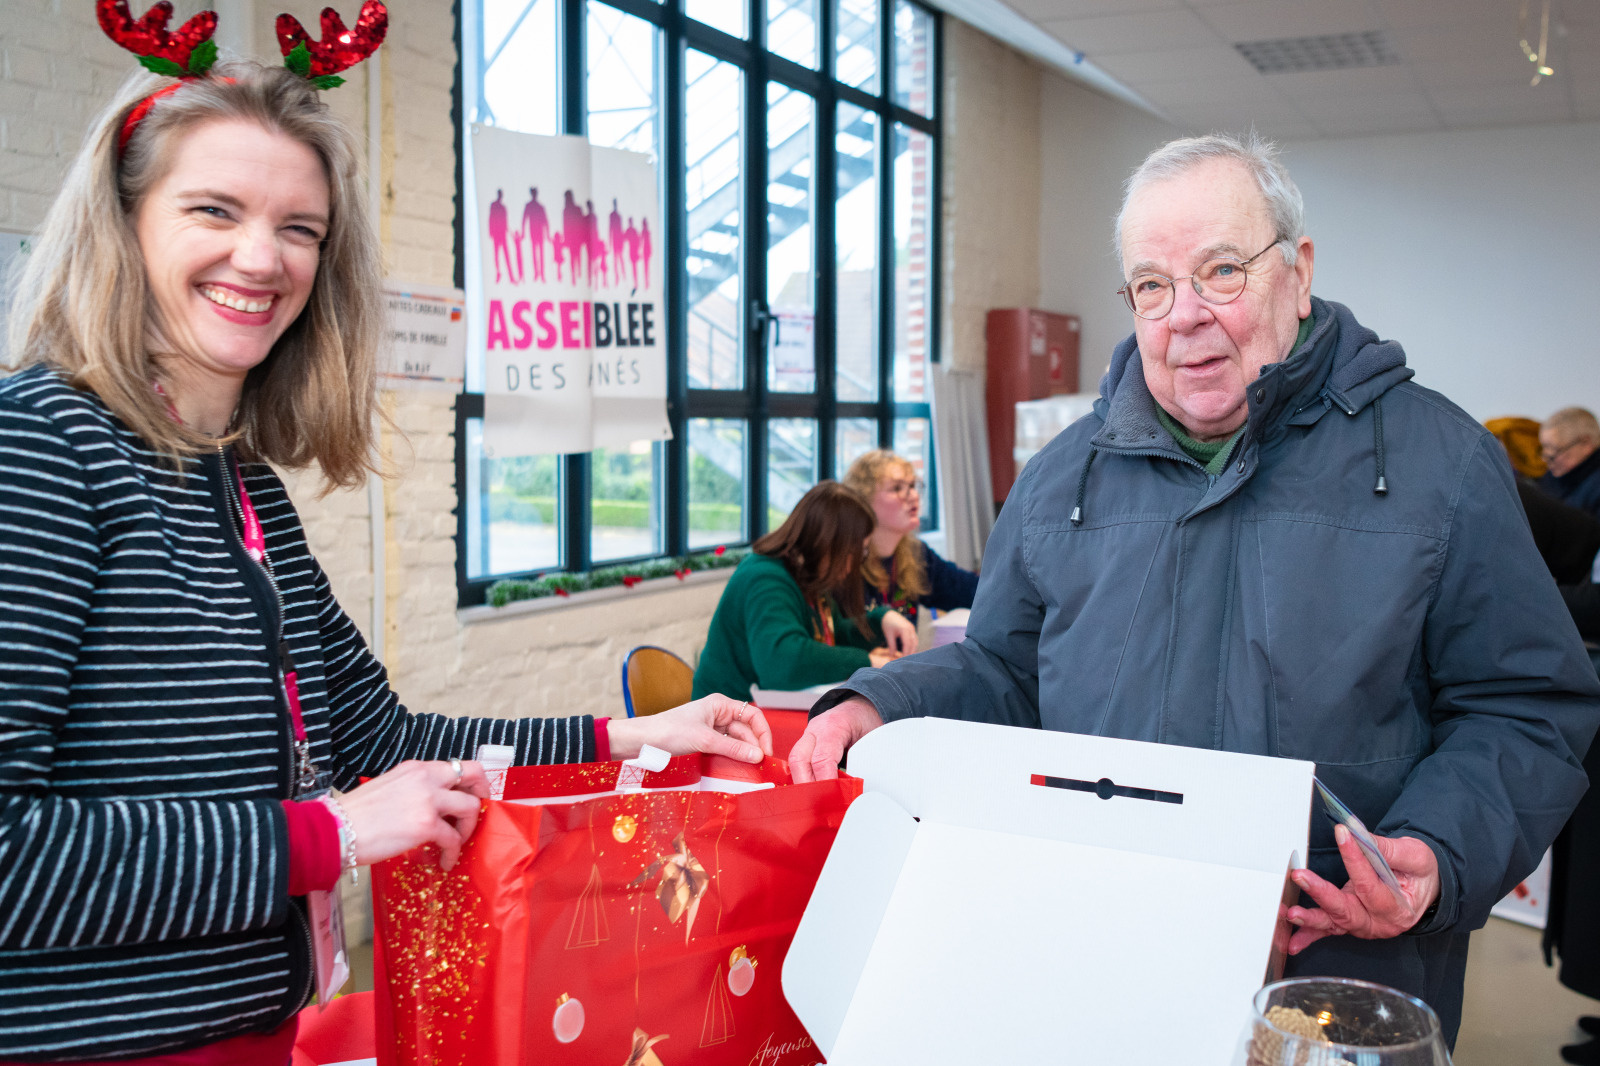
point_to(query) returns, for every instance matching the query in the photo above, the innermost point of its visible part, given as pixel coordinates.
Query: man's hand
(1366, 907)
(899, 634)
(815, 756)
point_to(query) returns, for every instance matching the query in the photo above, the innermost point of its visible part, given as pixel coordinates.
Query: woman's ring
(455, 764)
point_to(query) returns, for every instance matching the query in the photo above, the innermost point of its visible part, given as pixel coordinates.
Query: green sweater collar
(1214, 455)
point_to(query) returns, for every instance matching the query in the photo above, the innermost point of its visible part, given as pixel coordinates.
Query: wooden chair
(655, 680)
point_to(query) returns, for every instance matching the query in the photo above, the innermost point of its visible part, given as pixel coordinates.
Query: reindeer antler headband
(189, 51)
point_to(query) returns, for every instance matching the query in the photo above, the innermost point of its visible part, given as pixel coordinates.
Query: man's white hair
(1255, 153)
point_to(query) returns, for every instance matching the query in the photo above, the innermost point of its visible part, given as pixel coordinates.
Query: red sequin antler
(340, 48)
(186, 53)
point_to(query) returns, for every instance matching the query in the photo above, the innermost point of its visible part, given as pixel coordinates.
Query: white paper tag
(496, 759)
(630, 778)
(327, 942)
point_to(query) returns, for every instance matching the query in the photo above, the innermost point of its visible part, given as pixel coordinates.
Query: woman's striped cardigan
(144, 737)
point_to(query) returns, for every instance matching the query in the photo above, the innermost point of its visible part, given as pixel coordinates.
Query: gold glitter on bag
(432, 969)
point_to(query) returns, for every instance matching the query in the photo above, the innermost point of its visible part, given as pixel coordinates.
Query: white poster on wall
(573, 335)
(13, 246)
(424, 338)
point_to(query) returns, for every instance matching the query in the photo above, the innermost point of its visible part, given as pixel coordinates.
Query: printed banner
(573, 332)
(425, 337)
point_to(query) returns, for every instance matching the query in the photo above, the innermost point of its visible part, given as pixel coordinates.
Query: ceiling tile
(1400, 14)
(1363, 123)
(1238, 92)
(1500, 107)
(1050, 10)
(1361, 80)
(1138, 69)
(1143, 32)
(1412, 105)
(1262, 20)
(1464, 42)
(1506, 74)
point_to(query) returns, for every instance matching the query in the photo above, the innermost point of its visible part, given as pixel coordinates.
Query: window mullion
(675, 288)
(755, 266)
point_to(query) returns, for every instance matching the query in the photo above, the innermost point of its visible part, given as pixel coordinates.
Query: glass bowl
(1331, 1021)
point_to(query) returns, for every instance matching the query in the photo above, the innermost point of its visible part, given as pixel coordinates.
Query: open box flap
(1239, 810)
(846, 909)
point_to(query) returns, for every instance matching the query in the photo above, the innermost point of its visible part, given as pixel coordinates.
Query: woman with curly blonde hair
(900, 571)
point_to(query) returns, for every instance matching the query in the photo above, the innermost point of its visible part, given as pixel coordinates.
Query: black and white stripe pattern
(144, 737)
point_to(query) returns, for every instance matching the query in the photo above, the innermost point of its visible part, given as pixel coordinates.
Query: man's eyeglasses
(1552, 454)
(905, 488)
(1218, 280)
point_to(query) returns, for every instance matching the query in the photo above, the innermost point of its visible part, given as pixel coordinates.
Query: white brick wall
(58, 69)
(991, 187)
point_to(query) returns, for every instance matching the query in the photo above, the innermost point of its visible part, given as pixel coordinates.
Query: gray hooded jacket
(1409, 640)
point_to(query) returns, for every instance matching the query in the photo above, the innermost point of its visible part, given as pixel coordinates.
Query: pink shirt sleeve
(314, 856)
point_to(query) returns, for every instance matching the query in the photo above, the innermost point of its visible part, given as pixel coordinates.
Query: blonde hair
(865, 475)
(82, 301)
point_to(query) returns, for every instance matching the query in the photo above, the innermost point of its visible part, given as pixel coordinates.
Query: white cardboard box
(967, 915)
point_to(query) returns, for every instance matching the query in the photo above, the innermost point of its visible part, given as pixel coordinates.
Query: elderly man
(1570, 442)
(1266, 539)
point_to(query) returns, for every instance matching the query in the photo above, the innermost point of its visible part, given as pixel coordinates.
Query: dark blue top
(949, 586)
(1578, 487)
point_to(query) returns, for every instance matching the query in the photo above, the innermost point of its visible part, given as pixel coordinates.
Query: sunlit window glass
(792, 30)
(714, 150)
(514, 527)
(717, 465)
(521, 66)
(624, 83)
(855, 43)
(913, 262)
(725, 15)
(791, 465)
(624, 501)
(913, 58)
(856, 253)
(853, 438)
(913, 439)
(791, 278)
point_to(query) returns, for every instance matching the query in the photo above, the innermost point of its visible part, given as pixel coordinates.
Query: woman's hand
(899, 634)
(716, 725)
(880, 656)
(416, 803)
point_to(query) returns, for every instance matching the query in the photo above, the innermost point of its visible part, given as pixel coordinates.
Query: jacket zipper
(234, 525)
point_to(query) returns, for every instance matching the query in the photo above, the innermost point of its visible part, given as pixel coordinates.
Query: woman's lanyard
(255, 546)
(824, 621)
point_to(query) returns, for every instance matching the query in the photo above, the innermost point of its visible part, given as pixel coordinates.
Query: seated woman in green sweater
(792, 614)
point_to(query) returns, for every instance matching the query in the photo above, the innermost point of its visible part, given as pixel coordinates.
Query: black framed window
(798, 149)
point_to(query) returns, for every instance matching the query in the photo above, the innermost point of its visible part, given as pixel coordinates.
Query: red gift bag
(582, 926)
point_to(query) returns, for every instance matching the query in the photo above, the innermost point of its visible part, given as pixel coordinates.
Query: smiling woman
(180, 694)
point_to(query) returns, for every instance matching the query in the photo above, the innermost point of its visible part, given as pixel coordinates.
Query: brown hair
(826, 529)
(865, 475)
(82, 300)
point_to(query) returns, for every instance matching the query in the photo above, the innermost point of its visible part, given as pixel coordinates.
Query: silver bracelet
(347, 836)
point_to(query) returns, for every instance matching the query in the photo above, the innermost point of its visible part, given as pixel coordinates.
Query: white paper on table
(778, 699)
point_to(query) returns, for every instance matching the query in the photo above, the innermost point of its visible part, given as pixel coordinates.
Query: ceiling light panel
(1333, 51)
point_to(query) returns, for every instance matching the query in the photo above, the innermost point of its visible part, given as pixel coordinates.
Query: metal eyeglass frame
(1126, 292)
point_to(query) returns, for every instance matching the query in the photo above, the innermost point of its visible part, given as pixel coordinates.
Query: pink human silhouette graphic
(575, 230)
(536, 227)
(644, 249)
(615, 221)
(631, 237)
(497, 234)
(558, 246)
(592, 242)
